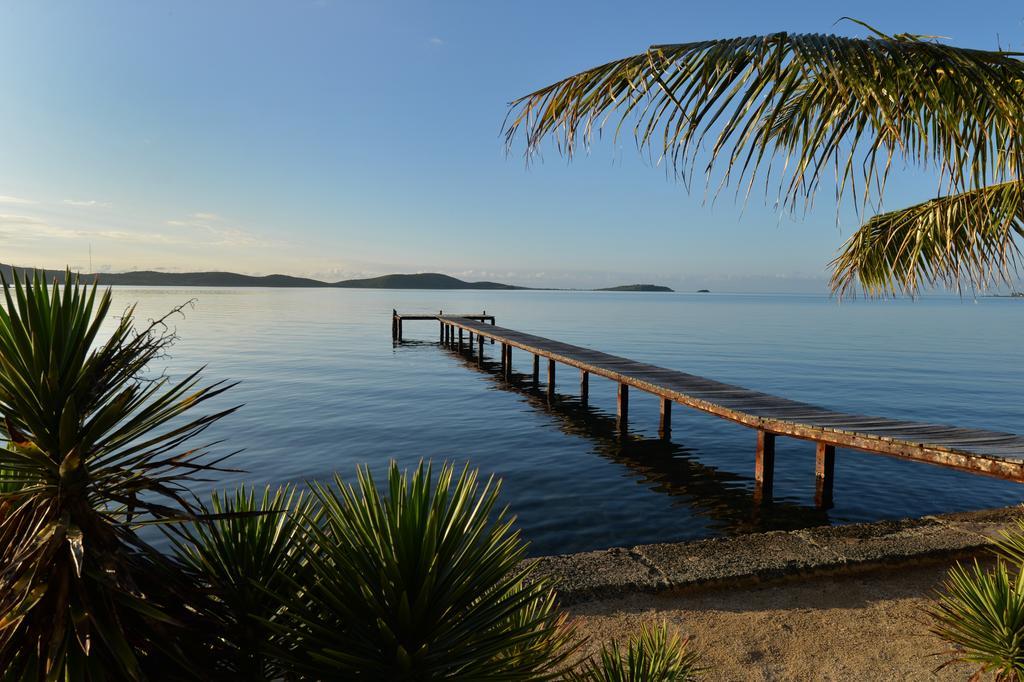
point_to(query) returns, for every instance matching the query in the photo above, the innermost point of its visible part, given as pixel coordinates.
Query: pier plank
(976, 450)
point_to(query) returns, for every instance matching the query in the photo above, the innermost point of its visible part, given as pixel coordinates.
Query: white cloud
(87, 203)
(436, 41)
(222, 234)
(7, 199)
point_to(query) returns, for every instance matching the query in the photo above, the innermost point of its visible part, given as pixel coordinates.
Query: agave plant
(656, 654)
(981, 613)
(96, 449)
(249, 547)
(420, 584)
(820, 105)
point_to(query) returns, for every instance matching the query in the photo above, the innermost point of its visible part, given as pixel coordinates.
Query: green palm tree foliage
(656, 654)
(420, 584)
(981, 613)
(803, 107)
(97, 449)
(251, 547)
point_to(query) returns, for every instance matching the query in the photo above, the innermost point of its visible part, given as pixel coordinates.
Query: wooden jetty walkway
(975, 450)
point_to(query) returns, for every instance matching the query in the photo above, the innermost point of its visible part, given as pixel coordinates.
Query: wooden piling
(584, 386)
(480, 349)
(536, 369)
(508, 361)
(504, 359)
(623, 407)
(399, 329)
(764, 465)
(824, 475)
(665, 420)
(460, 339)
(975, 450)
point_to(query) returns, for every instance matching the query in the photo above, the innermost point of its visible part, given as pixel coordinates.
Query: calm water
(325, 389)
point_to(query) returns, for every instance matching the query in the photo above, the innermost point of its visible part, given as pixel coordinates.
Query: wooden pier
(974, 450)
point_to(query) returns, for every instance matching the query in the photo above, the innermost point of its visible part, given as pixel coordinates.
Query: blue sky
(340, 138)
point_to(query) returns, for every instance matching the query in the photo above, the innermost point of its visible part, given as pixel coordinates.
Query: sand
(869, 626)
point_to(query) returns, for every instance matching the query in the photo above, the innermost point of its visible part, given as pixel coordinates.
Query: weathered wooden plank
(974, 450)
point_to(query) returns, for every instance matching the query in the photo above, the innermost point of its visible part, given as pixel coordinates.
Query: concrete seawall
(778, 555)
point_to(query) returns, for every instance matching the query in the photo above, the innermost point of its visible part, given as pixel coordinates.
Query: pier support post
(460, 339)
(399, 329)
(536, 369)
(394, 324)
(623, 404)
(665, 421)
(824, 475)
(764, 466)
(504, 359)
(508, 361)
(440, 332)
(584, 386)
(551, 378)
(480, 349)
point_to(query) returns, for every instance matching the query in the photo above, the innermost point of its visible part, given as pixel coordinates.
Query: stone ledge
(776, 555)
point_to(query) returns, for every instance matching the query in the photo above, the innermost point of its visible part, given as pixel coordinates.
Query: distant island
(425, 280)
(636, 287)
(703, 291)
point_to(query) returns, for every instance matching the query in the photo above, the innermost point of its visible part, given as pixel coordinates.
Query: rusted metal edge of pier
(975, 450)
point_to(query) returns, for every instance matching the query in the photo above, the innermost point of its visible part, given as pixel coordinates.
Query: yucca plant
(251, 547)
(97, 448)
(981, 613)
(800, 107)
(421, 583)
(656, 654)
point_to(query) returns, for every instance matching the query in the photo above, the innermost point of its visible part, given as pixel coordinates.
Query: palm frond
(245, 546)
(981, 613)
(815, 102)
(94, 446)
(965, 238)
(656, 654)
(425, 582)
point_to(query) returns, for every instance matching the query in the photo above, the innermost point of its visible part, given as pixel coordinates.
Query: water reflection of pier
(730, 500)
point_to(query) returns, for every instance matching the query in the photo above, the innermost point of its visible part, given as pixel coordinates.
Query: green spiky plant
(421, 583)
(252, 547)
(980, 611)
(800, 107)
(656, 654)
(98, 448)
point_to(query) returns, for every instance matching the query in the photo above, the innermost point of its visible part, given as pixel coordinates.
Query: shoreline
(774, 556)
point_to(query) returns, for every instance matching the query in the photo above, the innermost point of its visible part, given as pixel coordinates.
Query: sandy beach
(869, 626)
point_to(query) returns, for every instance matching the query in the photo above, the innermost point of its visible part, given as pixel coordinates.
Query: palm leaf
(981, 613)
(425, 582)
(969, 237)
(246, 546)
(656, 654)
(93, 446)
(802, 106)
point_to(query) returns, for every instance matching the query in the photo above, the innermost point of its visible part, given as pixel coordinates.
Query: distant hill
(636, 287)
(425, 280)
(143, 278)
